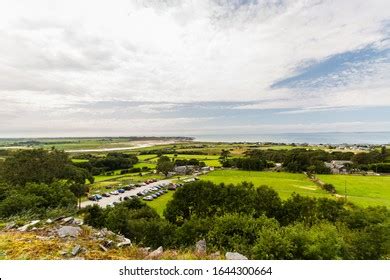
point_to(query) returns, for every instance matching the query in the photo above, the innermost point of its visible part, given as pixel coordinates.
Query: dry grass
(38, 245)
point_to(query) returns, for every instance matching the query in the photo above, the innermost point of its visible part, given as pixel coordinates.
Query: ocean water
(310, 138)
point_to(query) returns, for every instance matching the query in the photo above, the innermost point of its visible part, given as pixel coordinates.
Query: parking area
(120, 196)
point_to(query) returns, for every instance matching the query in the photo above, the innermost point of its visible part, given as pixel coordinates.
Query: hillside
(68, 238)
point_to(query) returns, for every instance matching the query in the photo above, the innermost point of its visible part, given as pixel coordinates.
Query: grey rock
(27, 226)
(67, 220)
(235, 256)
(59, 218)
(68, 231)
(76, 250)
(126, 242)
(78, 222)
(145, 250)
(200, 247)
(10, 225)
(156, 253)
(103, 248)
(108, 243)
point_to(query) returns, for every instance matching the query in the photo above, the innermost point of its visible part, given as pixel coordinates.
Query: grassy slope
(284, 183)
(32, 246)
(362, 190)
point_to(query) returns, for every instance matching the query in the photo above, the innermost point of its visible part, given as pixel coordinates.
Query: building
(338, 166)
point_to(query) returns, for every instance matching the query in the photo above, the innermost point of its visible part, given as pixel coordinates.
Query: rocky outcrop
(156, 253)
(68, 231)
(235, 256)
(29, 225)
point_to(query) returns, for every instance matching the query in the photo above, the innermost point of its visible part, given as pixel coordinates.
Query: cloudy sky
(143, 67)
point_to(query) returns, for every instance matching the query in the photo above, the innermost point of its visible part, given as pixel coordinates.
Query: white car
(114, 192)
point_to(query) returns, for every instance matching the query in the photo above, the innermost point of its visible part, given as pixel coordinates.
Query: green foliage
(267, 202)
(37, 198)
(41, 166)
(193, 230)
(135, 220)
(235, 232)
(165, 165)
(205, 199)
(367, 158)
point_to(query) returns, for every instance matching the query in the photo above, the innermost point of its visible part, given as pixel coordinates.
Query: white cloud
(57, 53)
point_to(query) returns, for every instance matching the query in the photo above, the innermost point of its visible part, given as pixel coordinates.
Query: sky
(144, 67)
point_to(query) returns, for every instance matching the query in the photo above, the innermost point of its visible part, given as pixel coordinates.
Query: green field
(284, 183)
(145, 164)
(76, 160)
(160, 203)
(361, 190)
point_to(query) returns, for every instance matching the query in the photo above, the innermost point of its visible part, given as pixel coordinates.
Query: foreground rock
(200, 247)
(235, 256)
(125, 242)
(10, 225)
(76, 250)
(68, 231)
(27, 226)
(67, 220)
(156, 253)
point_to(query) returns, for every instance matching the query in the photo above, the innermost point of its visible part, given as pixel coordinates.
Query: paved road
(108, 200)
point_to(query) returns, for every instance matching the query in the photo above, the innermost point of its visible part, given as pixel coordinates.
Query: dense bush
(37, 198)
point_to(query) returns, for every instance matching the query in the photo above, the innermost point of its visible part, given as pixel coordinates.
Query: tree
(79, 190)
(165, 165)
(40, 166)
(267, 202)
(224, 155)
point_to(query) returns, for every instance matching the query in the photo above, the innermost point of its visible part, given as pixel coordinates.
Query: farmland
(361, 190)
(284, 183)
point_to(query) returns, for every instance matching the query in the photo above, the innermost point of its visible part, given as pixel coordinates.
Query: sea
(361, 138)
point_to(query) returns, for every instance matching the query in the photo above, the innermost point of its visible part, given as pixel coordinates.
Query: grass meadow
(284, 183)
(361, 190)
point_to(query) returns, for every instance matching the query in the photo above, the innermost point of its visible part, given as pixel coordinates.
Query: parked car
(114, 192)
(92, 198)
(98, 196)
(172, 187)
(148, 198)
(154, 195)
(121, 190)
(140, 194)
(106, 195)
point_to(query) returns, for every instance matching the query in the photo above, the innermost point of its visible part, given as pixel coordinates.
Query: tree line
(306, 160)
